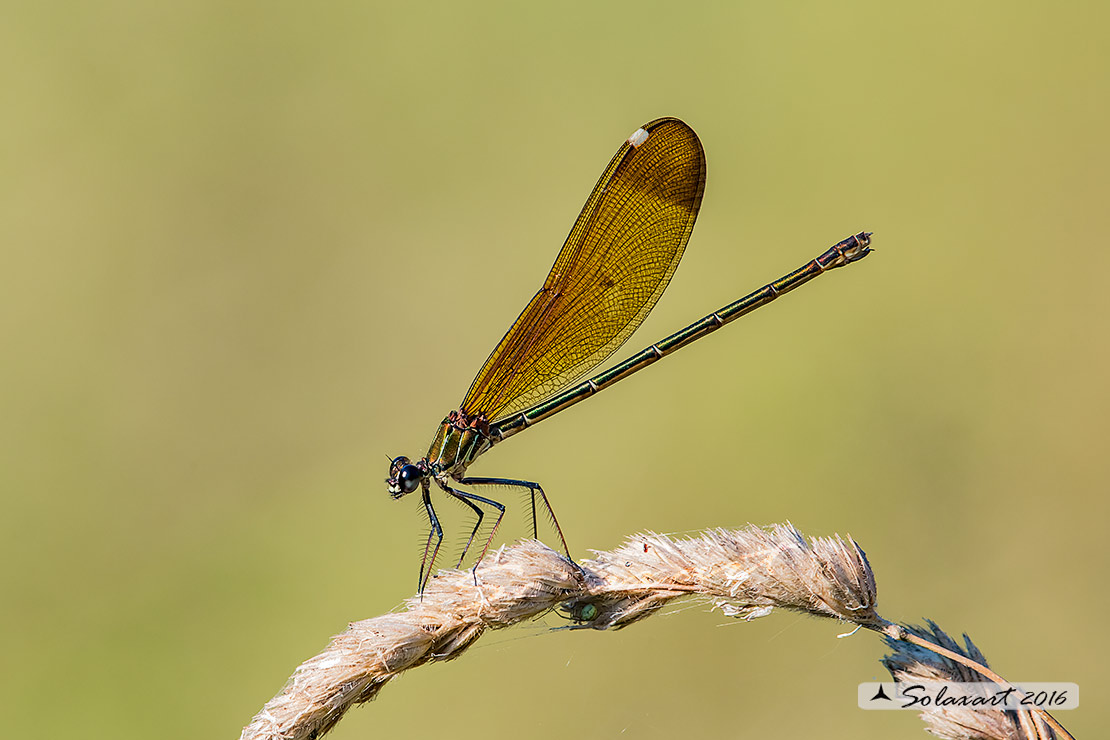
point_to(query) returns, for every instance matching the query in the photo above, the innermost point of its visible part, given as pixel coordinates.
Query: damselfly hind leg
(533, 489)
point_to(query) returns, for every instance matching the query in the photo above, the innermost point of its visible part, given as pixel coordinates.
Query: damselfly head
(404, 477)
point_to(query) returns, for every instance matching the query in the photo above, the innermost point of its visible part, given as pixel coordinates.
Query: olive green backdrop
(250, 250)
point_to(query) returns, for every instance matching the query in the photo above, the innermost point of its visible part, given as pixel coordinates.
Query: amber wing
(615, 264)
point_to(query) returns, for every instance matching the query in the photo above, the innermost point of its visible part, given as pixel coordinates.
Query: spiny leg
(533, 489)
(438, 532)
(467, 498)
(480, 514)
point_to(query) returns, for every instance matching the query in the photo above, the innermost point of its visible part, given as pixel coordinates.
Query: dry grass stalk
(925, 654)
(747, 573)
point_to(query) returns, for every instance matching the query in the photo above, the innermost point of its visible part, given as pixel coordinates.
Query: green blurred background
(250, 250)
